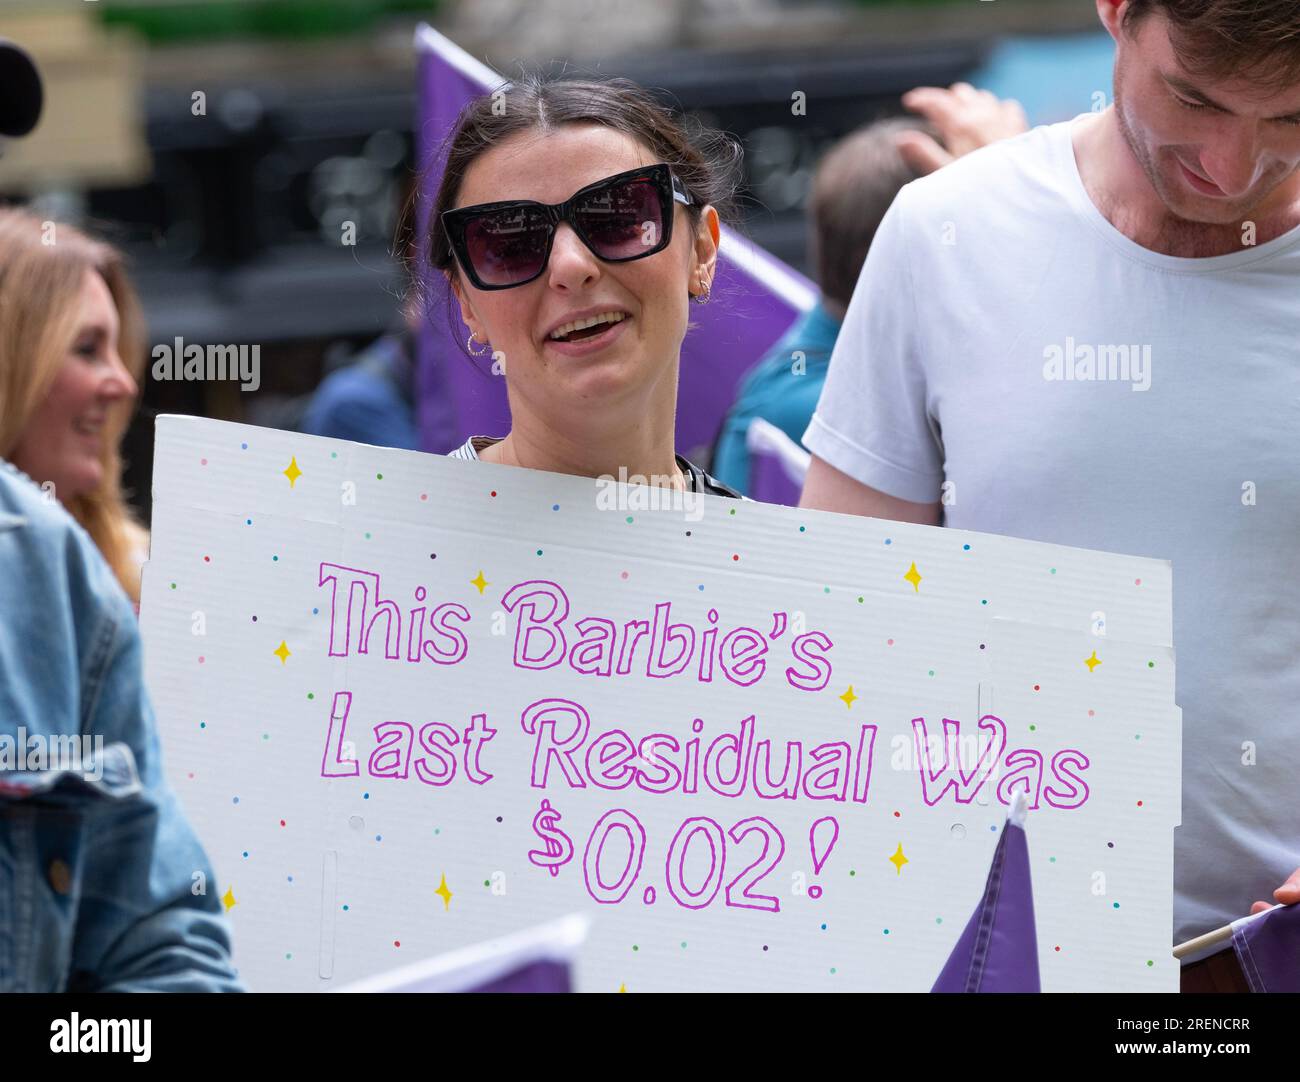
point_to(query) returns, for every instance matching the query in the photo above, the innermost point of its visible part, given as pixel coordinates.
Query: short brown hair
(1256, 40)
(855, 183)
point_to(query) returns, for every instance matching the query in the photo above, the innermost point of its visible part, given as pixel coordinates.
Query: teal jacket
(782, 388)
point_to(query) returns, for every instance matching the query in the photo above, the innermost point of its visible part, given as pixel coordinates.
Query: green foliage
(207, 20)
(907, 3)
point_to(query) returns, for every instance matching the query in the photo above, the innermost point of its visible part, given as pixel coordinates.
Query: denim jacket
(103, 884)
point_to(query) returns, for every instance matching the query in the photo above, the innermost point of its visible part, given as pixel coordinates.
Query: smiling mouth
(586, 328)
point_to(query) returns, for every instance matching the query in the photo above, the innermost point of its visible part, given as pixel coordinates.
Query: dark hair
(1257, 40)
(855, 183)
(706, 161)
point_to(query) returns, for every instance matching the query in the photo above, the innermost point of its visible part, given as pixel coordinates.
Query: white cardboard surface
(331, 879)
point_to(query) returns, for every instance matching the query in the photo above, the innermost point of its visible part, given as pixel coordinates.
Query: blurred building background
(224, 143)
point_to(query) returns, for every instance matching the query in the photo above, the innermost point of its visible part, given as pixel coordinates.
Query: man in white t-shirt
(1090, 335)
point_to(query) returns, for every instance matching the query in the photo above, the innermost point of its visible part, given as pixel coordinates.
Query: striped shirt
(696, 479)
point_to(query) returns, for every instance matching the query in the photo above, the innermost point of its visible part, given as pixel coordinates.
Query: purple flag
(777, 465)
(537, 959)
(454, 395)
(1268, 948)
(756, 297)
(998, 951)
(542, 976)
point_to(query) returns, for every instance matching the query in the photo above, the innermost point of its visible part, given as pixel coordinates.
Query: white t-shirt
(998, 272)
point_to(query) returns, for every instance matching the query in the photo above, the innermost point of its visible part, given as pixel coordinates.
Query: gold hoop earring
(476, 352)
(702, 297)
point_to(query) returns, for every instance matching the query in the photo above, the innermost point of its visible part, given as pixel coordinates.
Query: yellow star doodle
(444, 893)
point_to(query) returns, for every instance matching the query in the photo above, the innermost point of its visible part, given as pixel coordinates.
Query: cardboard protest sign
(413, 704)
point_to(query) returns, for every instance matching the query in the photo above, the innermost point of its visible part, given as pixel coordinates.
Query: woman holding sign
(576, 225)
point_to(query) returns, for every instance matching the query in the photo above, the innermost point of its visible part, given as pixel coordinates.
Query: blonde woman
(71, 354)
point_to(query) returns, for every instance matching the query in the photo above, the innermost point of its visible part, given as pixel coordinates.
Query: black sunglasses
(624, 217)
